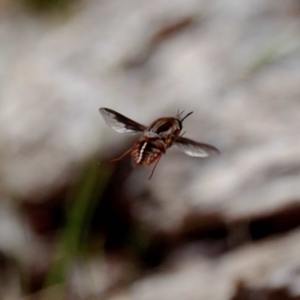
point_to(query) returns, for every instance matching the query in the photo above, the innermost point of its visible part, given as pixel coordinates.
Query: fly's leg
(155, 166)
(122, 156)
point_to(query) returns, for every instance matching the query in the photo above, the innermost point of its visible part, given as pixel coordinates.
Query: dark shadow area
(250, 293)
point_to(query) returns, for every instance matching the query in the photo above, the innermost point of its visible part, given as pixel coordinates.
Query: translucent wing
(196, 149)
(120, 123)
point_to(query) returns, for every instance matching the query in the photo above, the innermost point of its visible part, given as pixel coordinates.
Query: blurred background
(75, 227)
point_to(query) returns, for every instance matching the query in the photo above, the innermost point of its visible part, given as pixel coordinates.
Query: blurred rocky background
(75, 227)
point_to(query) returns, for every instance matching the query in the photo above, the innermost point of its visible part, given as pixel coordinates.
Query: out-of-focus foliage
(80, 207)
(48, 5)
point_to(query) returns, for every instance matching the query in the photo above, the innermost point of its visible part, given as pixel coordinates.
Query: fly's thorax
(165, 126)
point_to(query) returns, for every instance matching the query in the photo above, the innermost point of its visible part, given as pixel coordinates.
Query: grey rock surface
(236, 64)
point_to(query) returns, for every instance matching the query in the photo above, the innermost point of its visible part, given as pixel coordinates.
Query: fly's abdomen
(146, 152)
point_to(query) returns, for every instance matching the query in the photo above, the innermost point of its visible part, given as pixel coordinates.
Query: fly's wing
(120, 123)
(196, 149)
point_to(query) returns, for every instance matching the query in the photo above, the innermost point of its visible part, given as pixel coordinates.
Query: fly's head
(167, 126)
(180, 119)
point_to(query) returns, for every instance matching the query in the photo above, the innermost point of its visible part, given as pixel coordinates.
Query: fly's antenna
(179, 114)
(186, 116)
